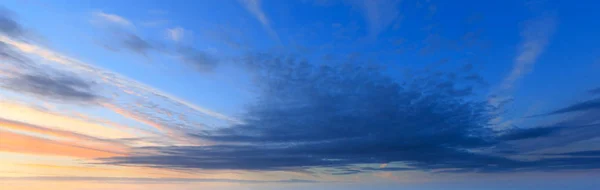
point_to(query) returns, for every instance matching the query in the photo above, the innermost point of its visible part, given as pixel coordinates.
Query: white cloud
(253, 6)
(175, 34)
(113, 18)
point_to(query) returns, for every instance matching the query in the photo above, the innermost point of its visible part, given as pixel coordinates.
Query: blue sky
(304, 94)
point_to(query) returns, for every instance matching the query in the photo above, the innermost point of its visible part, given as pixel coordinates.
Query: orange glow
(7, 124)
(134, 117)
(13, 142)
(22, 113)
(64, 135)
(173, 134)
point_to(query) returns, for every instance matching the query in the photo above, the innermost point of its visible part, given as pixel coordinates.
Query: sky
(307, 94)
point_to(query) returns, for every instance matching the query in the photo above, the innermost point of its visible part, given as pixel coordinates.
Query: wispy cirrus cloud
(114, 80)
(535, 37)
(12, 57)
(194, 58)
(254, 7)
(380, 15)
(121, 35)
(58, 78)
(176, 34)
(108, 77)
(113, 18)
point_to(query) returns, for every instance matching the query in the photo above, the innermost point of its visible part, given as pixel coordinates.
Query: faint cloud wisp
(253, 6)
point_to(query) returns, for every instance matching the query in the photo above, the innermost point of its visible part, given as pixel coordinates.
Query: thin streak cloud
(536, 36)
(113, 18)
(111, 78)
(254, 7)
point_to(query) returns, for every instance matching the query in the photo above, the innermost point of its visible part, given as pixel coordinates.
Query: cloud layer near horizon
(342, 115)
(309, 117)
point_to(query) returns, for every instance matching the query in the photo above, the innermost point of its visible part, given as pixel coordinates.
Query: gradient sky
(308, 94)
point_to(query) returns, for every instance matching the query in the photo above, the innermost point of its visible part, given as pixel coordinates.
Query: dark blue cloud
(594, 91)
(476, 79)
(593, 104)
(37, 79)
(341, 115)
(338, 115)
(195, 59)
(11, 56)
(546, 164)
(56, 86)
(519, 134)
(581, 153)
(585, 125)
(136, 44)
(198, 60)
(347, 172)
(8, 25)
(350, 171)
